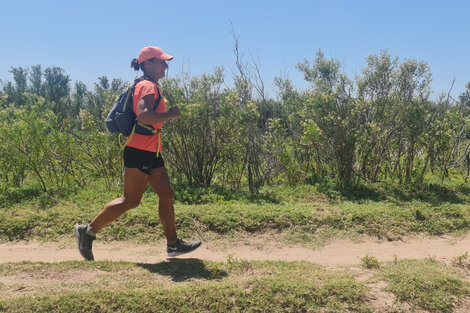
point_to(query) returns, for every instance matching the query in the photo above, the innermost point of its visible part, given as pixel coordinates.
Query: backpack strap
(142, 128)
(159, 98)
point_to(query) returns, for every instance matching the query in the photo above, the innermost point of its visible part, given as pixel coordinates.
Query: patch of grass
(462, 260)
(432, 191)
(12, 195)
(220, 194)
(370, 262)
(36, 267)
(390, 221)
(304, 214)
(233, 286)
(426, 284)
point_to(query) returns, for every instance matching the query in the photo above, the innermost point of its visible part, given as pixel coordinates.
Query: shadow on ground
(184, 269)
(215, 193)
(433, 194)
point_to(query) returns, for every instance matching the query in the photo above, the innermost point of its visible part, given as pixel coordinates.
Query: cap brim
(166, 57)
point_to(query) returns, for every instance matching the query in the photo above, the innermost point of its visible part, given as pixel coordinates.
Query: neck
(149, 77)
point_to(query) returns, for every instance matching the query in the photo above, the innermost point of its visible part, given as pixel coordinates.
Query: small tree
(333, 110)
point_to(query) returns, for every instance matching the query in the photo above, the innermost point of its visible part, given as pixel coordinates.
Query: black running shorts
(145, 161)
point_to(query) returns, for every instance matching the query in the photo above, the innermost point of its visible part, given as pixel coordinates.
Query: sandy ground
(337, 253)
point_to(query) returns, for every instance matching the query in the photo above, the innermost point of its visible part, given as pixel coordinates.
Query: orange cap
(151, 52)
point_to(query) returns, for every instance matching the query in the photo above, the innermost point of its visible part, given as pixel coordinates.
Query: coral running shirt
(143, 142)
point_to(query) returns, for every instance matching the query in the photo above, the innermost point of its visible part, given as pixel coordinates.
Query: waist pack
(122, 118)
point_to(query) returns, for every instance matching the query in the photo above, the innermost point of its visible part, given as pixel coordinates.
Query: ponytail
(135, 64)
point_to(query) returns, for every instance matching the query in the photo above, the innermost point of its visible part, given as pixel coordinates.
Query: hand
(175, 112)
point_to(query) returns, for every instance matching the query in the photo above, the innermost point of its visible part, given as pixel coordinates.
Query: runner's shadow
(184, 269)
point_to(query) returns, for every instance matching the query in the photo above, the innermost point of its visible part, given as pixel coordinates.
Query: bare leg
(134, 187)
(160, 183)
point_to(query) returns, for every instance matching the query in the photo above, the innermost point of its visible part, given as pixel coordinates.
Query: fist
(175, 112)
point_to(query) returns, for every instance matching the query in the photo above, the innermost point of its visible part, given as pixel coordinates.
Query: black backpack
(122, 118)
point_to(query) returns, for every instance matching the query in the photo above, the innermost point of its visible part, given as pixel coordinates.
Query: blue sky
(94, 38)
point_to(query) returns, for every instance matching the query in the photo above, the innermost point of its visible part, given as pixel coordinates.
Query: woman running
(143, 162)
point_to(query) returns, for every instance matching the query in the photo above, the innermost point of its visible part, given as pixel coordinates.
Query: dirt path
(336, 254)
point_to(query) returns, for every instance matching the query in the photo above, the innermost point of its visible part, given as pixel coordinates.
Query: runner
(143, 162)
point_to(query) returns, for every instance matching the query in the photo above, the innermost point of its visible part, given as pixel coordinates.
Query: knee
(130, 203)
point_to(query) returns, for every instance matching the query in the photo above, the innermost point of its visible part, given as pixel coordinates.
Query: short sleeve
(145, 88)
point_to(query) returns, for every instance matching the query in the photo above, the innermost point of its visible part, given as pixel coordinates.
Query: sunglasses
(155, 60)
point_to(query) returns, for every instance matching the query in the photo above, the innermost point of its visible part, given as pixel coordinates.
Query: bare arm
(146, 115)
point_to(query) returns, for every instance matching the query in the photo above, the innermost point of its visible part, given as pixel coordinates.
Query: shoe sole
(177, 253)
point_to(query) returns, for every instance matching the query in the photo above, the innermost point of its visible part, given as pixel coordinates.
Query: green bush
(12, 195)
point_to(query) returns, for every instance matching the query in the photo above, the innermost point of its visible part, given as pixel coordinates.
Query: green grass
(426, 284)
(301, 213)
(195, 286)
(370, 262)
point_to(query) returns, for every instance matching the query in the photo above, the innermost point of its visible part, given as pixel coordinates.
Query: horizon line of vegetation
(379, 127)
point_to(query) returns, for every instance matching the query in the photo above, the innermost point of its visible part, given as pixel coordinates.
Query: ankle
(171, 242)
(89, 231)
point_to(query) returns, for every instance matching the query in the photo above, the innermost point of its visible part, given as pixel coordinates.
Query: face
(156, 68)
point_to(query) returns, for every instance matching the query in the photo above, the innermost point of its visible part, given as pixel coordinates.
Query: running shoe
(182, 247)
(84, 241)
